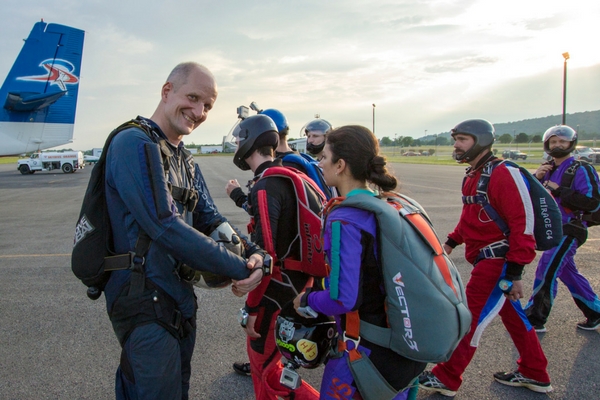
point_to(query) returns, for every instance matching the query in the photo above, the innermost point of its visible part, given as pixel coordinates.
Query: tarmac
(55, 343)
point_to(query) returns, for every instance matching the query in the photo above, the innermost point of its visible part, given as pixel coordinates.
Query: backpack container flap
(426, 302)
(91, 233)
(547, 218)
(547, 228)
(93, 236)
(310, 202)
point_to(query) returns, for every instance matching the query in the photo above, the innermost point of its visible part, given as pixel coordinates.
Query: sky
(425, 64)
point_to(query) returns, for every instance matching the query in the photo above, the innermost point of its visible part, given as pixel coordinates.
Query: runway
(55, 343)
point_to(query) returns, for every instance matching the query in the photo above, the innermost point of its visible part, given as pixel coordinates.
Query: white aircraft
(39, 96)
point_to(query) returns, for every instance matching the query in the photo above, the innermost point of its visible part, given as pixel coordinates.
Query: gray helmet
(319, 127)
(254, 132)
(563, 132)
(483, 133)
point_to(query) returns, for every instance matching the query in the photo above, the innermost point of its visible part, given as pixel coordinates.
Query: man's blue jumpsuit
(155, 362)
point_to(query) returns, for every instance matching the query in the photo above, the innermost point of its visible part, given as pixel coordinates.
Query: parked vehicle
(514, 155)
(410, 154)
(585, 153)
(69, 161)
(90, 159)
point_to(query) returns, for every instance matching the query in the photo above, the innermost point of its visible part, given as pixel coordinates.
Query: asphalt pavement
(55, 343)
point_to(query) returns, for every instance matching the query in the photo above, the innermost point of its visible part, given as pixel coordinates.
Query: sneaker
(242, 368)
(517, 379)
(589, 324)
(427, 380)
(539, 328)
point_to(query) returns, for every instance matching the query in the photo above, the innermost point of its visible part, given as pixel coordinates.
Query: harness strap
(187, 197)
(153, 305)
(352, 333)
(127, 261)
(292, 265)
(481, 197)
(265, 223)
(371, 384)
(494, 250)
(138, 274)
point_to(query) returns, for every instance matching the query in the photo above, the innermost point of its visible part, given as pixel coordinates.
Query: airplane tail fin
(38, 99)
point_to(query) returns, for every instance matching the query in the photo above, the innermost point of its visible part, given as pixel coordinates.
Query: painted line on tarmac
(409, 185)
(33, 255)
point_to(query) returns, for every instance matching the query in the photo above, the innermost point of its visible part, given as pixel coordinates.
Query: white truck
(69, 161)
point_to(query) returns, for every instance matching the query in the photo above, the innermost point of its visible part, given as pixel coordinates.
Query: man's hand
(542, 170)
(447, 249)
(232, 184)
(240, 288)
(517, 291)
(250, 327)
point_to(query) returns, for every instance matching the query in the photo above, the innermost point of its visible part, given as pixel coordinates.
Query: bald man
(163, 219)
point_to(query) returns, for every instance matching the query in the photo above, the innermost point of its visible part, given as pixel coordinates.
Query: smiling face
(556, 142)
(185, 103)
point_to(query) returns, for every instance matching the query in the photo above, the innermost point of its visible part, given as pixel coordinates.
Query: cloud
(426, 65)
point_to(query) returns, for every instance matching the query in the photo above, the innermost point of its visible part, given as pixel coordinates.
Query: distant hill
(587, 123)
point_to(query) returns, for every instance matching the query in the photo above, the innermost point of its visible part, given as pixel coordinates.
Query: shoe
(589, 324)
(242, 368)
(517, 379)
(427, 380)
(539, 328)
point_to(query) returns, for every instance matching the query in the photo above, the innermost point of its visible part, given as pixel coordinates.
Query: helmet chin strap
(559, 152)
(315, 149)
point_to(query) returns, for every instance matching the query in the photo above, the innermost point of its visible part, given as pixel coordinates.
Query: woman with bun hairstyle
(351, 162)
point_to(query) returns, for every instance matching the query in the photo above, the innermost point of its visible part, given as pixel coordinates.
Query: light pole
(373, 118)
(564, 116)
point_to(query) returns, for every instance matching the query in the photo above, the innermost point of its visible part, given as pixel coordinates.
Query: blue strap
(481, 196)
(311, 168)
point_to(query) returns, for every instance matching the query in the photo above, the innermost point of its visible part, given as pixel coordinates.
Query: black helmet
(483, 133)
(564, 132)
(319, 127)
(248, 133)
(303, 341)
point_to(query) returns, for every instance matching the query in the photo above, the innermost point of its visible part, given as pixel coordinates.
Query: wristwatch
(243, 317)
(505, 285)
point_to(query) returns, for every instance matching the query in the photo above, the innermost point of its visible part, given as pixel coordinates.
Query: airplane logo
(60, 72)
